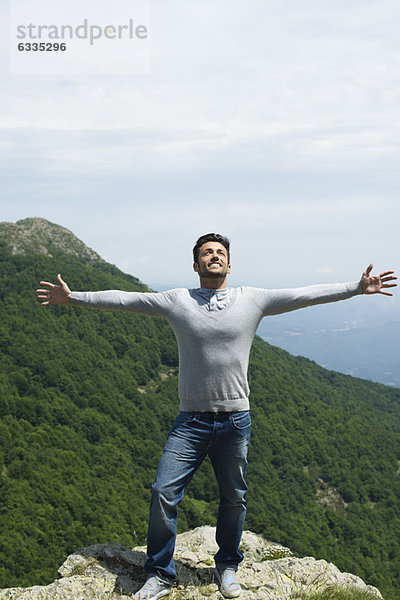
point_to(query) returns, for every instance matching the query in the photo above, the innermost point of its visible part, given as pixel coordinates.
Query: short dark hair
(210, 237)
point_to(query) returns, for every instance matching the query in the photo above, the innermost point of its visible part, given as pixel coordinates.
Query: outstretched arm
(374, 284)
(54, 294)
(274, 302)
(156, 304)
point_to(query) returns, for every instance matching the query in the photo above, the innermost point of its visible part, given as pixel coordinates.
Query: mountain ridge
(35, 235)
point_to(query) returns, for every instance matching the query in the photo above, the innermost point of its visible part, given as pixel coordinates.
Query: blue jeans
(224, 437)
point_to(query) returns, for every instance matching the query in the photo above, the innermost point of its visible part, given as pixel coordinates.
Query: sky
(274, 122)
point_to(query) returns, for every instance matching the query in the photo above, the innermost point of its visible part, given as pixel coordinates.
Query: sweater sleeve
(274, 302)
(157, 304)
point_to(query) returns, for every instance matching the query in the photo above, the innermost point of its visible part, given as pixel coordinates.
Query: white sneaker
(228, 583)
(153, 588)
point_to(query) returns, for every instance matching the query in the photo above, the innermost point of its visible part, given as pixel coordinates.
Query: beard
(208, 273)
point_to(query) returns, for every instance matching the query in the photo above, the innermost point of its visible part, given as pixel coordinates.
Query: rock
(113, 572)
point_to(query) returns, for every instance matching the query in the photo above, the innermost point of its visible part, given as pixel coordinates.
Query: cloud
(293, 86)
(323, 270)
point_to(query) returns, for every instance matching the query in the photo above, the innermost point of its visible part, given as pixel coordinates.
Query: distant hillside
(86, 401)
(359, 338)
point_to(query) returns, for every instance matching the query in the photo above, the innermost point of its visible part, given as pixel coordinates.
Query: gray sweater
(215, 330)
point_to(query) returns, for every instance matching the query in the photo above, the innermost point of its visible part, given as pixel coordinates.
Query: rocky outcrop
(112, 572)
(38, 236)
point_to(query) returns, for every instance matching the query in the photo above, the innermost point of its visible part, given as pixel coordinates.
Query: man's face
(212, 261)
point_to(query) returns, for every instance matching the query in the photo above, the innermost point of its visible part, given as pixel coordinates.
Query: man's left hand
(375, 284)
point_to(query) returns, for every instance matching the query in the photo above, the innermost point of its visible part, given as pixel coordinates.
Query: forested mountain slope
(86, 401)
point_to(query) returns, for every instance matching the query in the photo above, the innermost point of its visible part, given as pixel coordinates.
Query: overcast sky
(273, 122)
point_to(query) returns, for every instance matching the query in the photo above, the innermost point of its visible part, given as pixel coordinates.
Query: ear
(229, 269)
(195, 267)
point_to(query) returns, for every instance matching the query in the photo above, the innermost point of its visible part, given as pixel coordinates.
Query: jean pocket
(241, 420)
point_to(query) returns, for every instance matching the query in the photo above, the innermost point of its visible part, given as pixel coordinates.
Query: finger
(384, 279)
(385, 293)
(386, 285)
(385, 273)
(368, 269)
(43, 297)
(47, 283)
(61, 281)
(42, 291)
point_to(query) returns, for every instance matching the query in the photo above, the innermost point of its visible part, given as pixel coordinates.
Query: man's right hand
(55, 294)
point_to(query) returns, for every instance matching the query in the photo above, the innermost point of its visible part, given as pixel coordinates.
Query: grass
(338, 593)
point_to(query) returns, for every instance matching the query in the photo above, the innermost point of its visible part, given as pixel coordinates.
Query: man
(214, 326)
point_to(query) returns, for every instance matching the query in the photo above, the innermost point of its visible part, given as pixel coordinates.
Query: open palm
(375, 284)
(54, 294)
